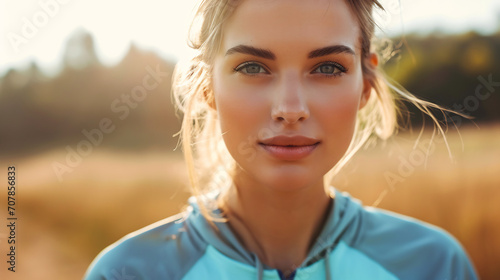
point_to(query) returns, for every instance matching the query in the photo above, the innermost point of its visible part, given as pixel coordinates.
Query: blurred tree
(447, 69)
(80, 51)
(40, 113)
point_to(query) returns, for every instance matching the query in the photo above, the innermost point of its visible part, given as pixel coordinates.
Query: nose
(290, 103)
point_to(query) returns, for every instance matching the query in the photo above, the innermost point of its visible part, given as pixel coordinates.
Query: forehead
(294, 24)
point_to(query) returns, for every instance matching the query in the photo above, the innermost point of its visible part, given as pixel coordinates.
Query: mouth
(289, 141)
(289, 148)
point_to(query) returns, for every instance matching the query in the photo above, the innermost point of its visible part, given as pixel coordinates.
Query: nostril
(290, 115)
(291, 118)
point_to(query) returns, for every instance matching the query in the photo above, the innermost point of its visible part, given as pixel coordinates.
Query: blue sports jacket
(356, 242)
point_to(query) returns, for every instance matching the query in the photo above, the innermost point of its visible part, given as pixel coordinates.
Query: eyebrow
(252, 51)
(264, 53)
(331, 50)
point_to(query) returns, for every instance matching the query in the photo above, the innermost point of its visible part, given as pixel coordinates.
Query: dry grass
(63, 225)
(461, 195)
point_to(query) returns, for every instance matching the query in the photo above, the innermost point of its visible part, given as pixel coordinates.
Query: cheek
(339, 116)
(336, 111)
(341, 100)
(241, 110)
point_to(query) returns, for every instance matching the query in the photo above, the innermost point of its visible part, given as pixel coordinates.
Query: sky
(39, 29)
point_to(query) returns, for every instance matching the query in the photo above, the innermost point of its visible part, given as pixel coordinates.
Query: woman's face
(287, 86)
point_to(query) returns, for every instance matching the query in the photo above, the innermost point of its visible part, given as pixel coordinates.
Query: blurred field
(63, 225)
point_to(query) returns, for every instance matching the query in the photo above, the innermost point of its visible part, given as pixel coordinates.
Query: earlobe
(209, 98)
(373, 60)
(365, 95)
(213, 105)
(208, 94)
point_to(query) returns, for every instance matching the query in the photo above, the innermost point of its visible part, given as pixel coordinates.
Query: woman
(281, 94)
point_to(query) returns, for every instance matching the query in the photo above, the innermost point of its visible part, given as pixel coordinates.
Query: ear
(371, 63)
(208, 95)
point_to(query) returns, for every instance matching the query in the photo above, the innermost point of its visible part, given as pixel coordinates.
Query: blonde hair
(208, 161)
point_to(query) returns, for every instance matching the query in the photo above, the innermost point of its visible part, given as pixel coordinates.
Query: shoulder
(412, 249)
(150, 253)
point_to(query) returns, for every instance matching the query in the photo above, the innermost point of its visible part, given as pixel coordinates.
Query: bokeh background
(96, 157)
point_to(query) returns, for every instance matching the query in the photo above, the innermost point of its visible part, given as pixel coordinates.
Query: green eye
(251, 68)
(330, 68)
(327, 69)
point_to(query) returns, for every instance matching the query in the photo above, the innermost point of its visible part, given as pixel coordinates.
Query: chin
(290, 180)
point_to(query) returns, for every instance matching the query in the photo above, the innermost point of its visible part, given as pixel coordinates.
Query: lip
(289, 148)
(283, 140)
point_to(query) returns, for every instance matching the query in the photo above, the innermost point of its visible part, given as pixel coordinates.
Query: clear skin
(277, 208)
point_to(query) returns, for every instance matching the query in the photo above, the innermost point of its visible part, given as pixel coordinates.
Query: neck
(279, 226)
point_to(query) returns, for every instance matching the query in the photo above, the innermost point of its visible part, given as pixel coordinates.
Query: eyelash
(336, 65)
(244, 65)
